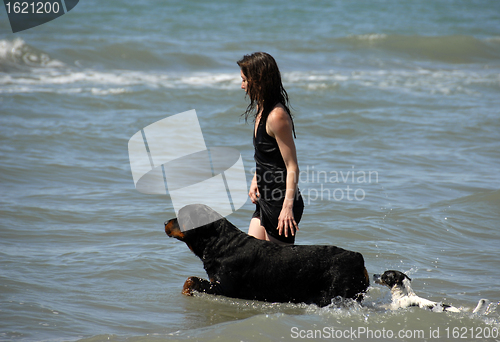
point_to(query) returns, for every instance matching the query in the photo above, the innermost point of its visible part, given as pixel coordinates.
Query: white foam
(64, 80)
(445, 82)
(112, 91)
(124, 80)
(493, 39)
(18, 53)
(370, 37)
(10, 47)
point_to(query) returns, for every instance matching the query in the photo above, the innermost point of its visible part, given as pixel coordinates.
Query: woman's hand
(286, 221)
(254, 190)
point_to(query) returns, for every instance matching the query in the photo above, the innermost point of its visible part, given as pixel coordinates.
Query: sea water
(396, 109)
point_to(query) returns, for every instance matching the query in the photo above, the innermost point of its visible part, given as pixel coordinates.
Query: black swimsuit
(271, 181)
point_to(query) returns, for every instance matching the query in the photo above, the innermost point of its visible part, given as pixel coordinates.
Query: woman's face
(244, 82)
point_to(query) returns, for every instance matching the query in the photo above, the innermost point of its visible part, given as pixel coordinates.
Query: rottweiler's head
(172, 229)
(390, 278)
(191, 217)
(196, 225)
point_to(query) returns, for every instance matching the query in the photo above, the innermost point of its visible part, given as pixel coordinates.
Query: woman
(274, 190)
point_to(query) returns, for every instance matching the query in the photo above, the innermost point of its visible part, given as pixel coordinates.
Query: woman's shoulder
(278, 119)
(279, 113)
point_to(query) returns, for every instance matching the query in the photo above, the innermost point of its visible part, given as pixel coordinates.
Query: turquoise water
(404, 96)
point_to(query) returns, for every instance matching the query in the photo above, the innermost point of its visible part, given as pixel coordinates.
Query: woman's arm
(279, 126)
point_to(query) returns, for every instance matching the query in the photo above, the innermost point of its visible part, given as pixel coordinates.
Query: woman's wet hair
(264, 86)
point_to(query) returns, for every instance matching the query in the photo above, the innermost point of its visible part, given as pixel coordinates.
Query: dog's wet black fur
(240, 266)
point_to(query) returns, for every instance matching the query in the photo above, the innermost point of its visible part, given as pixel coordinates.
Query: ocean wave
(493, 39)
(111, 82)
(16, 55)
(449, 49)
(369, 37)
(425, 81)
(29, 70)
(115, 82)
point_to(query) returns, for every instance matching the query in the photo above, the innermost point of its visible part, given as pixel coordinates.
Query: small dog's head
(390, 278)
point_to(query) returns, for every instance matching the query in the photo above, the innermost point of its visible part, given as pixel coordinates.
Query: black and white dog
(403, 295)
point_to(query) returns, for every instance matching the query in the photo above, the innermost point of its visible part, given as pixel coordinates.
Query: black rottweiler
(241, 266)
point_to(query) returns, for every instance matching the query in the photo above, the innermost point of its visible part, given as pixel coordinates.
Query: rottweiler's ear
(173, 230)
